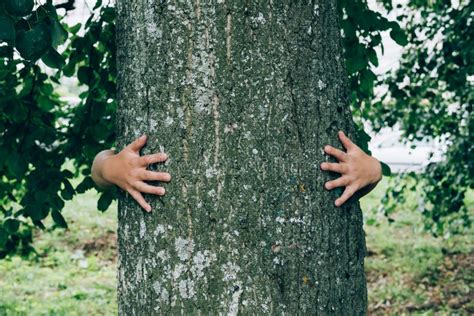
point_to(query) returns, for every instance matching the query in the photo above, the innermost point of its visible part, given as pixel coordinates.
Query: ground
(408, 270)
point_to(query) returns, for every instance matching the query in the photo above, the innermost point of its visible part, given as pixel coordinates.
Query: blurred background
(410, 66)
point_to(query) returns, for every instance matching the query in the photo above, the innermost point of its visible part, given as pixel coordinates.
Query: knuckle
(129, 175)
(346, 169)
(133, 162)
(135, 185)
(133, 173)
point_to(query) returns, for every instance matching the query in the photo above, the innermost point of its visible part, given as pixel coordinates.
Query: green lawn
(409, 271)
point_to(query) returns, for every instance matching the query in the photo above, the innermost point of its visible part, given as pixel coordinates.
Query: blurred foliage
(430, 97)
(40, 132)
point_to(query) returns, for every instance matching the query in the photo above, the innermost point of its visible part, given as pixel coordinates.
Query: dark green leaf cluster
(39, 131)
(362, 29)
(431, 96)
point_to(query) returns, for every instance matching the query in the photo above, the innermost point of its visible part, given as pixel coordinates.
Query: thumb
(137, 144)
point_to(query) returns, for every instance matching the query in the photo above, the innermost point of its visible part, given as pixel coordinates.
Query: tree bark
(243, 96)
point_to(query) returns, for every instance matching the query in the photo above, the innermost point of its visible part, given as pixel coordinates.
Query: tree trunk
(243, 96)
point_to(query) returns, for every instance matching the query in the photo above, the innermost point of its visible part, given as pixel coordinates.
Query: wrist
(378, 171)
(101, 168)
(108, 166)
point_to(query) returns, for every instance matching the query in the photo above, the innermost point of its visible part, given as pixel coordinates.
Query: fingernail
(143, 136)
(336, 203)
(148, 208)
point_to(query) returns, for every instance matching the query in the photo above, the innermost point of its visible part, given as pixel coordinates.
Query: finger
(139, 198)
(155, 176)
(339, 182)
(137, 144)
(150, 189)
(154, 158)
(348, 192)
(337, 153)
(336, 167)
(346, 142)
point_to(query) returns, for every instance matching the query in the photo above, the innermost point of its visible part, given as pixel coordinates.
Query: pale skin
(359, 172)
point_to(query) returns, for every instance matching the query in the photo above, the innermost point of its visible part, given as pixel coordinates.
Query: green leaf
(362, 139)
(32, 44)
(39, 224)
(68, 192)
(85, 185)
(357, 59)
(7, 29)
(53, 59)
(105, 200)
(37, 212)
(385, 169)
(17, 165)
(6, 51)
(355, 64)
(367, 79)
(373, 57)
(59, 219)
(45, 103)
(84, 74)
(19, 7)
(69, 69)
(47, 88)
(67, 173)
(399, 36)
(11, 225)
(371, 221)
(98, 3)
(58, 33)
(108, 14)
(75, 28)
(3, 237)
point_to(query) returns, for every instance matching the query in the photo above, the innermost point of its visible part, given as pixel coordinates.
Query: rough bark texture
(242, 95)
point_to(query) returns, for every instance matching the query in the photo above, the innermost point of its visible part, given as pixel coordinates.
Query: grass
(411, 272)
(408, 270)
(75, 273)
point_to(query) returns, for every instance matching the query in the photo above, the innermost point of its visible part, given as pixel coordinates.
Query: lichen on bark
(242, 95)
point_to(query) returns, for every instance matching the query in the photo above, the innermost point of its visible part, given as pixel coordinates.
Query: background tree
(242, 96)
(39, 131)
(430, 96)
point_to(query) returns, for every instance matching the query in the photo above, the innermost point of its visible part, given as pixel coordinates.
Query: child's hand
(127, 169)
(358, 170)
